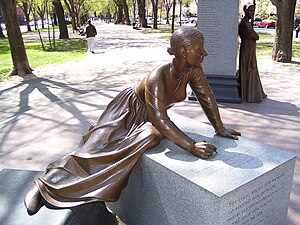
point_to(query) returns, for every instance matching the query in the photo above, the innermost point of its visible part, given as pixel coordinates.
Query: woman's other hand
(203, 150)
(229, 133)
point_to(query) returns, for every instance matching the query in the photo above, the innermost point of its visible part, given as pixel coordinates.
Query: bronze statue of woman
(134, 121)
(251, 89)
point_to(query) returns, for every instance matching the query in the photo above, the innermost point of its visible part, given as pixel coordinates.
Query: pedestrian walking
(91, 33)
(297, 31)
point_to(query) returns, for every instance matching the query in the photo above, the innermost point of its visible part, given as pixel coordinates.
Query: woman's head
(187, 46)
(249, 10)
(184, 38)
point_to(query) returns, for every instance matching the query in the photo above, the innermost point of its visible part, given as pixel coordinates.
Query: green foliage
(297, 10)
(263, 9)
(107, 6)
(93, 6)
(273, 17)
(66, 50)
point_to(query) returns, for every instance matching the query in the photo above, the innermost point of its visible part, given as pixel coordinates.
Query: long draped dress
(134, 121)
(251, 89)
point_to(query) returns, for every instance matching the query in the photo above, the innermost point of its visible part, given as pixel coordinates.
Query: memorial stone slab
(13, 188)
(245, 183)
(218, 21)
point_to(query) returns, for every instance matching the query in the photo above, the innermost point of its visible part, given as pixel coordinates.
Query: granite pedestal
(245, 183)
(14, 185)
(218, 21)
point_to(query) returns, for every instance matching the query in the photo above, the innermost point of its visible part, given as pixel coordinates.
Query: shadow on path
(43, 86)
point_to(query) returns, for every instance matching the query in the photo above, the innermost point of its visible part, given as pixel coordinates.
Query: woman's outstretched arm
(205, 96)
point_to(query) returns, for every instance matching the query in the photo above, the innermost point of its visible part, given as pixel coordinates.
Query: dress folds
(251, 89)
(100, 168)
(134, 121)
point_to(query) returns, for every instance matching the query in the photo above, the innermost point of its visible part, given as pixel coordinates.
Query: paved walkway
(43, 116)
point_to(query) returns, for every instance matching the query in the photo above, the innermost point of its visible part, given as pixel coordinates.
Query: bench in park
(13, 188)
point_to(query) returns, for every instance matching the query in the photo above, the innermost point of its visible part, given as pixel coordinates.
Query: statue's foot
(33, 200)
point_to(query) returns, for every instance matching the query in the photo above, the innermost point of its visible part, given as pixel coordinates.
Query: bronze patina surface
(133, 122)
(251, 89)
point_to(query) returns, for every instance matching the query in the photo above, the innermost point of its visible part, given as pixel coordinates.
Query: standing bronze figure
(133, 122)
(251, 89)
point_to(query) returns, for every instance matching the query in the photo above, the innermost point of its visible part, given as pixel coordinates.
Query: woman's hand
(203, 150)
(229, 133)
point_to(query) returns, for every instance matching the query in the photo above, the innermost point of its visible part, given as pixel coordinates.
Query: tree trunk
(126, 12)
(55, 19)
(19, 57)
(76, 13)
(155, 9)
(134, 11)
(142, 13)
(26, 8)
(41, 12)
(63, 31)
(168, 8)
(108, 16)
(73, 19)
(27, 22)
(74, 24)
(120, 13)
(282, 49)
(173, 17)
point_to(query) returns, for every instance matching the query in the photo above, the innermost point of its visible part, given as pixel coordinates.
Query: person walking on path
(91, 33)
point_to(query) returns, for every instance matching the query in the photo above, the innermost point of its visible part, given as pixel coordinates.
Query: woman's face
(250, 11)
(196, 55)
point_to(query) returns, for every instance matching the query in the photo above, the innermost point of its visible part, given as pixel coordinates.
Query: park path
(123, 56)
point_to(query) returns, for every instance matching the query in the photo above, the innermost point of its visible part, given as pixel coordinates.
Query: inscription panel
(218, 21)
(211, 26)
(250, 207)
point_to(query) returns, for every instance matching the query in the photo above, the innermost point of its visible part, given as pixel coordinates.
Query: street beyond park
(44, 115)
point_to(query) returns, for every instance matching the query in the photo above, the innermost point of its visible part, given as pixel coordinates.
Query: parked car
(256, 21)
(267, 23)
(182, 19)
(149, 19)
(193, 19)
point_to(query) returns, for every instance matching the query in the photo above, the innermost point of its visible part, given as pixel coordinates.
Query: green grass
(296, 51)
(264, 48)
(266, 36)
(66, 50)
(5, 58)
(265, 45)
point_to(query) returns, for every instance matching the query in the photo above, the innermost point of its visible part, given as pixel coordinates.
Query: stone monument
(218, 21)
(245, 183)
